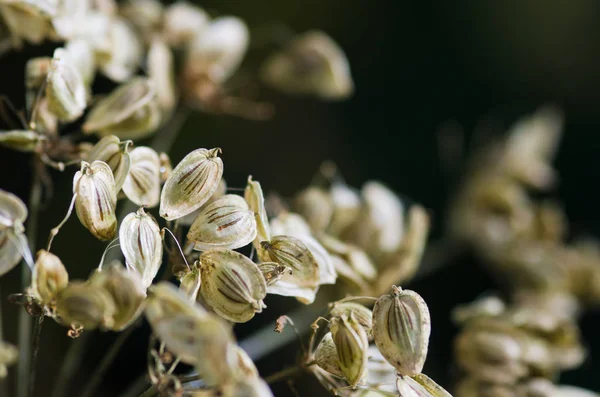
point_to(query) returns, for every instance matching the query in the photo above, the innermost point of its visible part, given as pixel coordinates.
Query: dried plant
(225, 252)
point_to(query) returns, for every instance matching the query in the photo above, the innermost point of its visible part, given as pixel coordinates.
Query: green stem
(25, 320)
(106, 362)
(37, 333)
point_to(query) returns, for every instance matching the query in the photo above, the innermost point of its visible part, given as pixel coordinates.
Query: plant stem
(108, 359)
(25, 320)
(283, 374)
(37, 332)
(70, 364)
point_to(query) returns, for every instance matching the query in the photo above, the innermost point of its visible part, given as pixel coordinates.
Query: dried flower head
(96, 199)
(232, 284)
(191, 184)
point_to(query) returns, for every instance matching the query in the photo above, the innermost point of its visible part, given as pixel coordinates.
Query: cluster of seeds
(518, 345)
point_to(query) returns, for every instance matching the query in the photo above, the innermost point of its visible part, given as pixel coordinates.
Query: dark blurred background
(417, 67)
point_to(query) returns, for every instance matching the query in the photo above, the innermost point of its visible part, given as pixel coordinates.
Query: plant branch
(106, 362)
(25, 320)
(37, 333)
(284, 374)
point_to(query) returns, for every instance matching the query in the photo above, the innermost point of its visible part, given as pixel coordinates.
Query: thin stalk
(37, 333)
(25, 320)
(3, 382)
(284, 374)
(106, 362)
(70, 364)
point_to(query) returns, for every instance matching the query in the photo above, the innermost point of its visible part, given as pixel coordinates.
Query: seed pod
(13, 211)
(49, 277)
(129, 112)
(311, 64)
(272, 272)
(65, 89)
(12, 245)
(315, 206)
(96, 199)
(145, 15)
(346, 208)
(225, 223)
(115, 153)
(191, 184)
(380, 227)
(182, 22)
(232, 284)
(165, 167)
(382, 376)
(190, 282)
(125, 51)
(245, 363)
(21, 140)
(141, 244)
(86, 305)
(8, 355)
(289, 224)
(192, 333)
(481, 307)
(28, 21)
(142, 184)
(189, 219)
(126, 290)
(349, 276)
(303, 282)
(219, 50)
(327, 273)
(82, 58)
(419, 385)
(161, 73)
(351, 344)
(326, 356)
(401, 328)
(256, 201)
(362, 314)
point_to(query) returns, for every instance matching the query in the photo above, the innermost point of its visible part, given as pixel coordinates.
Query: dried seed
(351, 343)
(125, 51)
(145, 15)
(115, 153)
(189, 219)
(225, 223)
(311, 64)
(382, 376)
(141, 243)
(272, 272)
(12, 247)
(289, 251)
(362, 314)
(190, 282)
(191, 184)
(245, 363)
(289, 224)
(182, 22)
(346, 208)
(129, 112)
(49, 277)
(85, 305)
(315, 206)
(401, 328)
(326, 356)
(83, 59)
(247, 387)
(65, 90)
(21, 140)
(419, 385)
(232, 284)
(484, 306)
(142, 184)
(161, 73)
(13, 211)
(219, 50)
(256, 201)
(126, 290)
(165, 167)
(96, 199)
